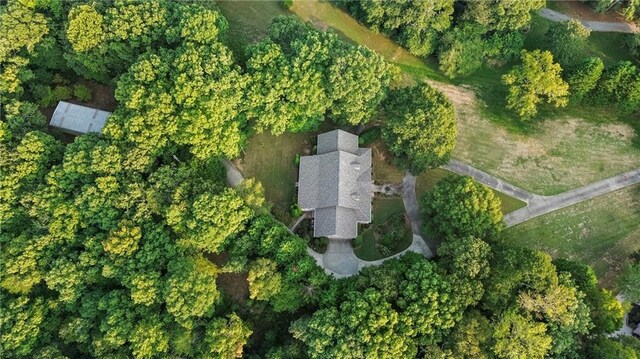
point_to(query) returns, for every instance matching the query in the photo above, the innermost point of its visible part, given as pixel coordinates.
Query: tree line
(467, 35)
(108, 241)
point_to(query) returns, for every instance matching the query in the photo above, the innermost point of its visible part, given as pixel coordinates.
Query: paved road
(544, 204)
(538, 205)
(598, 26)
(489, 180)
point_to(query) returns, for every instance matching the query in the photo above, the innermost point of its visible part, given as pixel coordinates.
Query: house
(335, 184)
(77, 119)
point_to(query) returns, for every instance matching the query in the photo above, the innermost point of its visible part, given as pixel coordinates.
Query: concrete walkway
(597, 26)
(538, 205)
(544, 204)
(464, 169)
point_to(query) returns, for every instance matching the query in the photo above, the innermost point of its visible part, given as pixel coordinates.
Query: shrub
(61, 93)
(319, 244)
(357, 242)
(295, 210)
(296, 160)
(369, 136)
(82, 93)
(286, 4)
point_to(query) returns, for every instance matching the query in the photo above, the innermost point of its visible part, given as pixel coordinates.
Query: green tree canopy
(619, 85)
(516, 336)
(415, 24)
(420, 127)
(299, 75)
(566, 40)
(459, 206)
(364, 326)
(264, 279)
(538, 77)
(584, 77)
(85, 29)
(502, 15)
(462, 50)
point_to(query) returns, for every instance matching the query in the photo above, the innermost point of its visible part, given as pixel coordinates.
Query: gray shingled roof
(78, 119)
(336, 185)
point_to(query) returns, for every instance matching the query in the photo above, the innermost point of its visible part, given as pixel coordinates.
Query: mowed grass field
(601, 232)
(271, 160)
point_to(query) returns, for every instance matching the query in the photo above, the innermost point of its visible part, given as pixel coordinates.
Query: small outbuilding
(335, 184)
(78, 119)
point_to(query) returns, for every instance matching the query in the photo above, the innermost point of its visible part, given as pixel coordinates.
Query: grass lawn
(383, 209)
(270, 159)
(601, 232)
(248, 21)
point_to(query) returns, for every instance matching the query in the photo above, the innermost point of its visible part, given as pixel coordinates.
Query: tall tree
(459, 206)
(420, 129)
(538, 77)
(416, 25)
(462, 50)
(584, 77)
(516, 336)
(364, 326)
(566, 41)
(502, 15)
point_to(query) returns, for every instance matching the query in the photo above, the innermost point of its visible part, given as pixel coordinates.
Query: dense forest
(115, 245)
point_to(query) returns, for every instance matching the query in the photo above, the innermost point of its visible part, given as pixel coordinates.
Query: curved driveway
(340, 260)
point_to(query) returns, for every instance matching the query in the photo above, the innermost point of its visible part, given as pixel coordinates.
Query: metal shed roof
(78, 119)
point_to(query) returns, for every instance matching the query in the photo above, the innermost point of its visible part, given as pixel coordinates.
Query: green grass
(601, 232)
(270, 159)
(383, 209)
(248, 22)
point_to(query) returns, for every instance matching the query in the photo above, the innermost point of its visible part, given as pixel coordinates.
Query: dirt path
(598, 26)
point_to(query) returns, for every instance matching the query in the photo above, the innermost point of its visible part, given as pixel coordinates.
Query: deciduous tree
(459, 206)
(536, 79)
(420, 129)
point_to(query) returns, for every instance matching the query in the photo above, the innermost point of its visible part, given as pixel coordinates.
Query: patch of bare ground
(233, 285)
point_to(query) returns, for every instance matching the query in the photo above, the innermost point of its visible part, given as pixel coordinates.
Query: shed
(78, 119)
